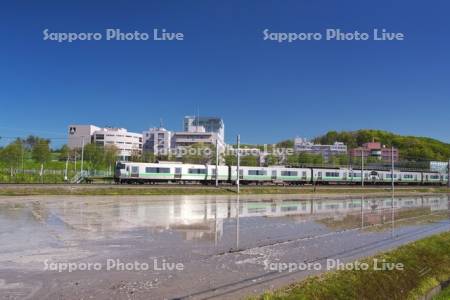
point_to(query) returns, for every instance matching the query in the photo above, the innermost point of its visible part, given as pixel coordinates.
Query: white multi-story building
(80, 134)
(127, 143)
(205, 124)
(186, 139)
(157, 140)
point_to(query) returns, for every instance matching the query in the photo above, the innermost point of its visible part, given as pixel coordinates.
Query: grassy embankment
(426, 264)
(444, 295)
(25, 190)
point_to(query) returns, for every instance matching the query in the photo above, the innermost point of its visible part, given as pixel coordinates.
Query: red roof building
(375, 149)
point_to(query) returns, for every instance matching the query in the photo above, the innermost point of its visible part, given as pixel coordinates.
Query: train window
(157, 170)
(197, 171)
(177, 170)
(304, 173)
(332, 174)
(257, 172)
(289, 173)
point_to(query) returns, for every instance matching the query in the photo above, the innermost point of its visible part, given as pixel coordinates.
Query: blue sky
(264, 90)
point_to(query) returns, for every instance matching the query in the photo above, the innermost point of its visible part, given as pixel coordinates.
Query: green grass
(86, 189)
(444, 295)
(431, 254)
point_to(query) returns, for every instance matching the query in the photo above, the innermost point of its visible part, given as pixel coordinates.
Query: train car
(322, 175)
(434, 178)
(410, 177)
(291, 175)
(274, 174)
(254, 174)
(132, 172)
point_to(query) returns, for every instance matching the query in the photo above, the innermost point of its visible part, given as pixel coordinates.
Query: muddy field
(199, 247)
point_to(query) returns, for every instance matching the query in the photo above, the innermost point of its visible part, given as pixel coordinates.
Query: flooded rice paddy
(193, 247)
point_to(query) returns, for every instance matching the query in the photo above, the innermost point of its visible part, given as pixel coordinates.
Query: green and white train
(132, 172)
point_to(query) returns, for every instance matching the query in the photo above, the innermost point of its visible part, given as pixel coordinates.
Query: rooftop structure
(204, 124)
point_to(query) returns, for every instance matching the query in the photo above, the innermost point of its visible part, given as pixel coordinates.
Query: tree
(410, 147)
(94, 155)
(230, 160)
(249, 160)
(286, 144)
(272, 160)
(110, 154)
(148, 157)
(64, 153)
(136, 155)
(31, 141)
(40, 152)
(11, 155)
(199, 153)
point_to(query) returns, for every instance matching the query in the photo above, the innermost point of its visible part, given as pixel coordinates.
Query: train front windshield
(119, 166)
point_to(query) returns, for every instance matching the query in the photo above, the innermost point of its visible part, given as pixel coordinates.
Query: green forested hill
(411, 147)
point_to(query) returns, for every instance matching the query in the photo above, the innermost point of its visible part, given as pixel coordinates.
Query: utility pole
(23, 150)
(448, 174)
(362, 167)
(66, 170)
(362, 212)
(392, 171)
(237, 221)
(238, 154)
(393, 193)
(82, 155)
(217, 162)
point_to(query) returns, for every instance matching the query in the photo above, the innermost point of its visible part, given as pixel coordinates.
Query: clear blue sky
(263, 90)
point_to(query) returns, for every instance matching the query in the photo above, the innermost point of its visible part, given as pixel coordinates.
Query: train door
(135, 171)
(274, 174)
(177, 173)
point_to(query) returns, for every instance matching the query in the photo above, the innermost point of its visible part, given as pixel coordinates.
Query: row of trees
(14, 154)
(411, 148)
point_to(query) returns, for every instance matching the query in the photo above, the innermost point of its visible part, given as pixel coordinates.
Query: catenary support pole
(362, 167)
(392, 169)
(448, 174)
(82, 155)
(217, 163)
(238, 154)
(393, 193)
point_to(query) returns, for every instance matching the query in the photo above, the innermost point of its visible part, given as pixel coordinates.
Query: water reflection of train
(196, 219)
(132, 172)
